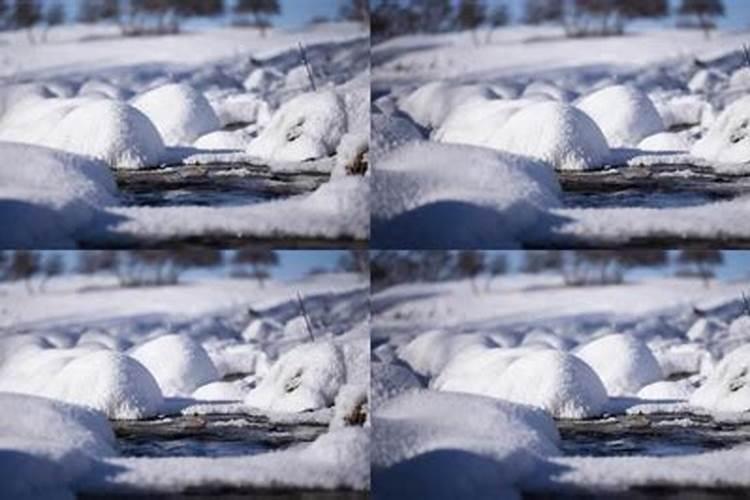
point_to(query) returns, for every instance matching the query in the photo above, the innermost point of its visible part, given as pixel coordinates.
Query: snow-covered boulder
(706, 80)
(624, 114)
(727, 388)
(555, 381)
(221, 391)
(431, 103)
(178, 363)
(624, 363)
(388, 132)
(389, 380)
(180, 113)
(110, 382)
(19, 94)
(682, 110)
(555, 133)
(308, 377)
(261, 79)
(667, 390)
(547, 90)
(476, 121)
(240, 108)
(728, 139)
(263, 330)
(100, 88)
(664, 141)
(740, 78)
(428, 353)
(222, 140)
(232, 358)
(704, 329)
(475, 371)
(307, 127)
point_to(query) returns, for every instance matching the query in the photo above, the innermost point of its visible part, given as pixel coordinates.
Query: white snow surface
(727, 388)
(431, 104)
(728, 139)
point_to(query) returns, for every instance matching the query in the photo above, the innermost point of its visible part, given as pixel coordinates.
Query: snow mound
(664, 141)
(221, 391)
(623, 363)
(706, 80)
(667, 390)
(704, 329)
(475, 122)
(240, 108)
(682, 110)
(728, 139)
(429, 352)
(421, 421)
(624, 114)
(388, 132)
(263, 330)
(431, 103)
(555, 381)
(308, 377)
(52, 199)
(178, 363)
(222, 140)
(475, 371)
(180, 113)
(110, 382)
(556, 133)
(307, 127)
(727, 388)
(261, 79)
(389, 380)
(740, 78)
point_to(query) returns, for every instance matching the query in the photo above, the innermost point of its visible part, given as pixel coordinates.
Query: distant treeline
(579, 18)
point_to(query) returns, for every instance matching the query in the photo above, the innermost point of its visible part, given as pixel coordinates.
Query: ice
(306, 127)
(180, 113)
(624, 114)
(555, 381)
(308, 377)
(178, 363)
(110, 382)
(431, 103)
(664, 141)
(728, 139)
(624, 363)
(727, 388)
(555, 133)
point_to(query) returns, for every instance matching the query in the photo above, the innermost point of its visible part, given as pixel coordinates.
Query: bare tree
(54, 16)
(470, 15)
(498, 266)
(52, 265)
(499, 16)
(469, 264)
(260, 260)
(261, 10)
(24, 264)
(356, 10)
(705, 12)
(702, 261)
(26, 14)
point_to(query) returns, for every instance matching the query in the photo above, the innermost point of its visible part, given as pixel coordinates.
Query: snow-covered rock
(389, 380)
(240, 108)
(431, 103)
(664, 141)
(555, 381)
(222, 140)
(100, 88)
(110, 382)
(178, 363)
(682, 110)
(667, 390)
(728, 139)
(429, 352)
(556, 133)
(307, 127)
(261, 79)
(475, 371)
(624, 363)
(232, 358)
(475, 122)
(706, 80)
(221, 391)
(308, 377)
(705, 328)
(388, 132)
(351, 406)
(263, 330)
(740, 78)
(727, 388)
(624, 114)
(547, 90)
(180, 113)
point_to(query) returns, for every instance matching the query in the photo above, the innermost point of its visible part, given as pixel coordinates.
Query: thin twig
(307, 318)
(746, 52)
(746, 302)
(306, 62)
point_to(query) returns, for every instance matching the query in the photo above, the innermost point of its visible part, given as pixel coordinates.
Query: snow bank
(180, 113)
(624, 114)
(728, 139)
(109, 382)
(555, 381)
(623, 363)
(307, 377)
(664, 141)
(49, 198)
(107, 130)
(429, 352)
(556, 133)
(389, 380)
(307, 127)
(431, 195)
(475, 122)
(424, 440)
(178, 363)
(727, 388)
(431, 103)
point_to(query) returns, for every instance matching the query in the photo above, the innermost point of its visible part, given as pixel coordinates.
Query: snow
(555, 133)
(263, 330)
(235, 108)
(624, 363)
(389, 380)
(110, 382)
(53, 199)
(431, 351)
(477, 121)
(179, 112)
(388, 132)
(178, 363)
(555, 381)
(475, 371)
(664, 141)
(431, 104)
(727, 140)
(623, 113)
(222, 140)
(666, 390)
(308, 377)
(705, 81)
(727, 388)
(111, 131)
(221, 391)
(351, 404)
(422, 188)
(306, 127)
